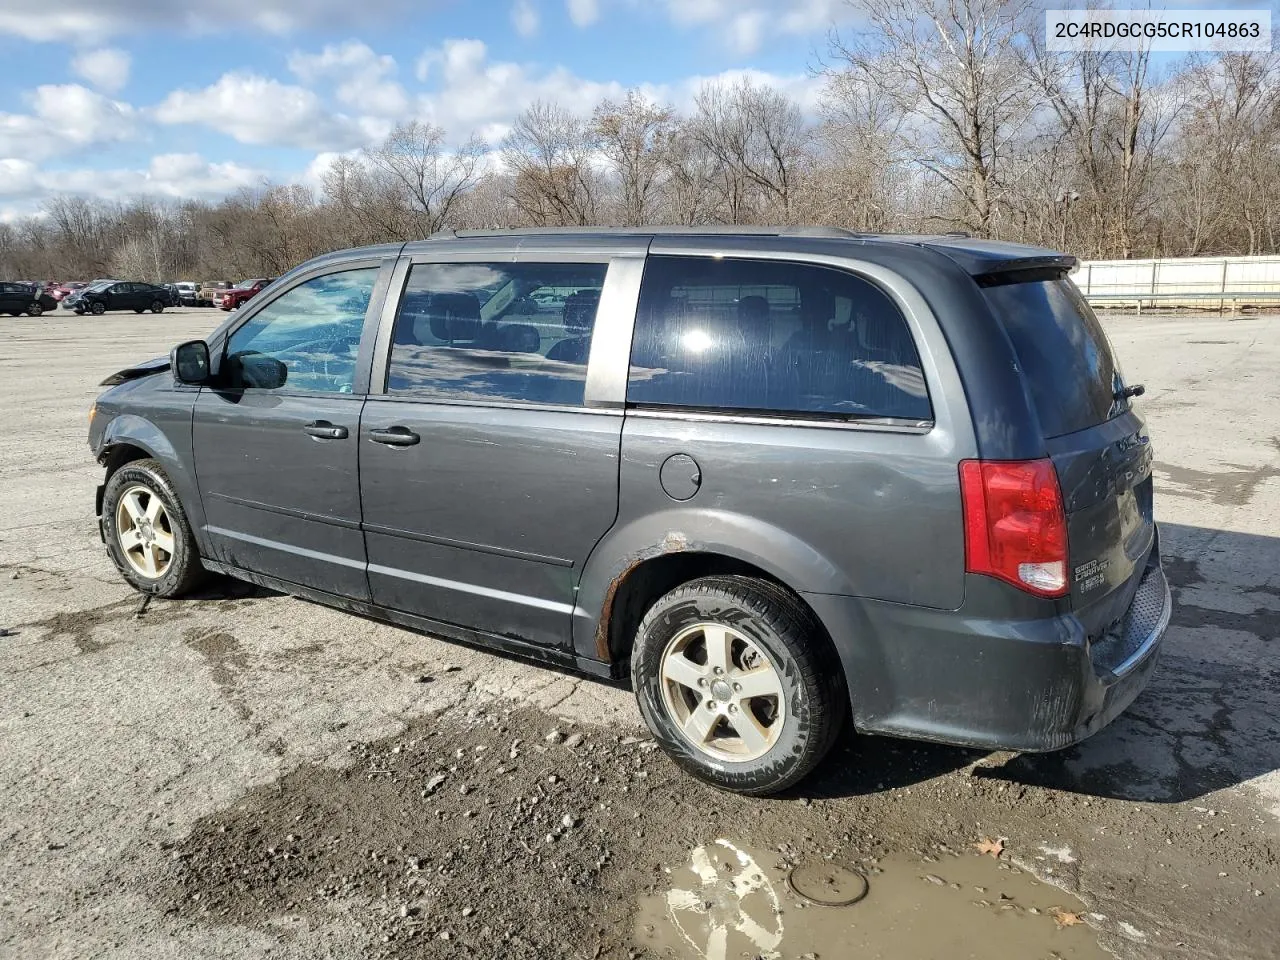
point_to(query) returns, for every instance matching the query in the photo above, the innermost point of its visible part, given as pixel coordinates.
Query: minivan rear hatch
(1098, 443)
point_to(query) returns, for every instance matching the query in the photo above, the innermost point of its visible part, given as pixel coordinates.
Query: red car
(242, 293)
(65, 289)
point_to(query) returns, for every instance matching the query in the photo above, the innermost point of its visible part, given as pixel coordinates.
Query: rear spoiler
(995, 262)
(1026, 271)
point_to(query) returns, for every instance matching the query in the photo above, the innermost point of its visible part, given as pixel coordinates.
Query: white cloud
(107, 68)
(583, 12)
(746, 31)
(259, 110)
(92, 20)
(477, 94)
(742, 25)
(362, 77)
(64, 118)
(524, 17)
(473, 94)
(179, 176)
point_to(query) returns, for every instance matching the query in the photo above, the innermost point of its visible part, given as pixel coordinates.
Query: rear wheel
(157, 306)
(35, 310)
(97, 309)
(147, 533)
(738, 683)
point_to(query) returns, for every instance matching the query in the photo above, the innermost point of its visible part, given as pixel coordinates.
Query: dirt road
(244, 774)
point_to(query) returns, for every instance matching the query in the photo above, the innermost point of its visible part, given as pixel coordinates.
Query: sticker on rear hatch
(1091, 575)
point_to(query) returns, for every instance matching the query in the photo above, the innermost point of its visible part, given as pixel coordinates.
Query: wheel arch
(128, 438)
(634, 565)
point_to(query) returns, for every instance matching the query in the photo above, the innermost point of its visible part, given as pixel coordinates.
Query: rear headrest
(520, 338)
(580, 311)
(817, 305)
(454, 316)
(753, 310)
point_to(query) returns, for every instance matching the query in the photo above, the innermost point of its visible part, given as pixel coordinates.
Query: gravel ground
(245, 774)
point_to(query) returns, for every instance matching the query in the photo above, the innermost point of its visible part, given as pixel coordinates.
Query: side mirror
(251, 369)
(190, 362)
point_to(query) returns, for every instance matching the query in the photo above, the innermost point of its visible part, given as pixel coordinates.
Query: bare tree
(422, 180)
(954, 69)
(760, 140)
(549, 156)
(635, 137)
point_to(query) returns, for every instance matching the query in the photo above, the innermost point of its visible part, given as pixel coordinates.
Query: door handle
(395, 437)
(324, 430)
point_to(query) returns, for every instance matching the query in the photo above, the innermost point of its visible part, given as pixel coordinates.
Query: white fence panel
(1195, 276)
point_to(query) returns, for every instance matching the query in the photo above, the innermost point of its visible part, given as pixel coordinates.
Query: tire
(97, 309)
(773, 638)
(144, 484)
(35, 310)
(157, 306)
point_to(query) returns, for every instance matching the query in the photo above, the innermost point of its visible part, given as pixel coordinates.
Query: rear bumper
(1028, 685)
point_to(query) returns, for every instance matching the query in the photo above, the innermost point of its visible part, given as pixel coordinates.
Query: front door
(485, 478)
(275, 442)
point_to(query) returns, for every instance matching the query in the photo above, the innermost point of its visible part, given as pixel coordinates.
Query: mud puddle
(729, 901)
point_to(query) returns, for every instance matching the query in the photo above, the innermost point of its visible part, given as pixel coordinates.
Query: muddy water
(730, 901)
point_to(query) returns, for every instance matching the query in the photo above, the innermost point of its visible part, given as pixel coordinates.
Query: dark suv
(773, 476)
(104, 295)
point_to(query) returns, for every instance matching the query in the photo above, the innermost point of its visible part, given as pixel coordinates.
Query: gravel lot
(245, 774)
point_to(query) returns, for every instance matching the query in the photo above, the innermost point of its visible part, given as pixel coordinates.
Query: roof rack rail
(835, 233)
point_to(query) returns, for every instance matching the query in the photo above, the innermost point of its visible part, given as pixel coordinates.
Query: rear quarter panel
(834, 509)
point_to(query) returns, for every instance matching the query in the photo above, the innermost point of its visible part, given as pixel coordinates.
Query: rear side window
(1063, 351)
(772, 337)
(496, 331)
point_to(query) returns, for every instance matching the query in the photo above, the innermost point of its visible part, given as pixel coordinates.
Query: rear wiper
(1125, 393)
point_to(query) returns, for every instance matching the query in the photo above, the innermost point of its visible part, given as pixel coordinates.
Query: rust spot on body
(674, 542)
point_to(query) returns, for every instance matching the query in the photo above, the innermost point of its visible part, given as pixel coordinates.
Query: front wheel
(35, 310)
(98, 309)
(156, 307)
(147, 533)
(738, 683)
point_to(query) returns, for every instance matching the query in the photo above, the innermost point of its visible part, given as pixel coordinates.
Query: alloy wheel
(144, 532)
(723, 692)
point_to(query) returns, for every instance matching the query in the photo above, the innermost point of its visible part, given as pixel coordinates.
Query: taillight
(1015, 527)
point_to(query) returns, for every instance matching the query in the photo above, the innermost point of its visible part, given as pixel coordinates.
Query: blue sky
(198, 98)
(113, 98)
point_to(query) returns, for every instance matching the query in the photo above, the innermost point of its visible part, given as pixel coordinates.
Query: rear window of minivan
(1063, 351)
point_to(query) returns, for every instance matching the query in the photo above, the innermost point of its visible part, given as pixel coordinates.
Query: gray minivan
(775, 476)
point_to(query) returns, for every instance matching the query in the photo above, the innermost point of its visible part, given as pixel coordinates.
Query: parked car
(63, 290)
(174, 295)
(778, 477)
(242, 293)
(103, 295)
(188, 293)
(211, 292)
(19, 298)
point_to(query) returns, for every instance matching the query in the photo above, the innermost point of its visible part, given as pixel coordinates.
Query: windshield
(100, 285)
(1063, 351)
(246, 284)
